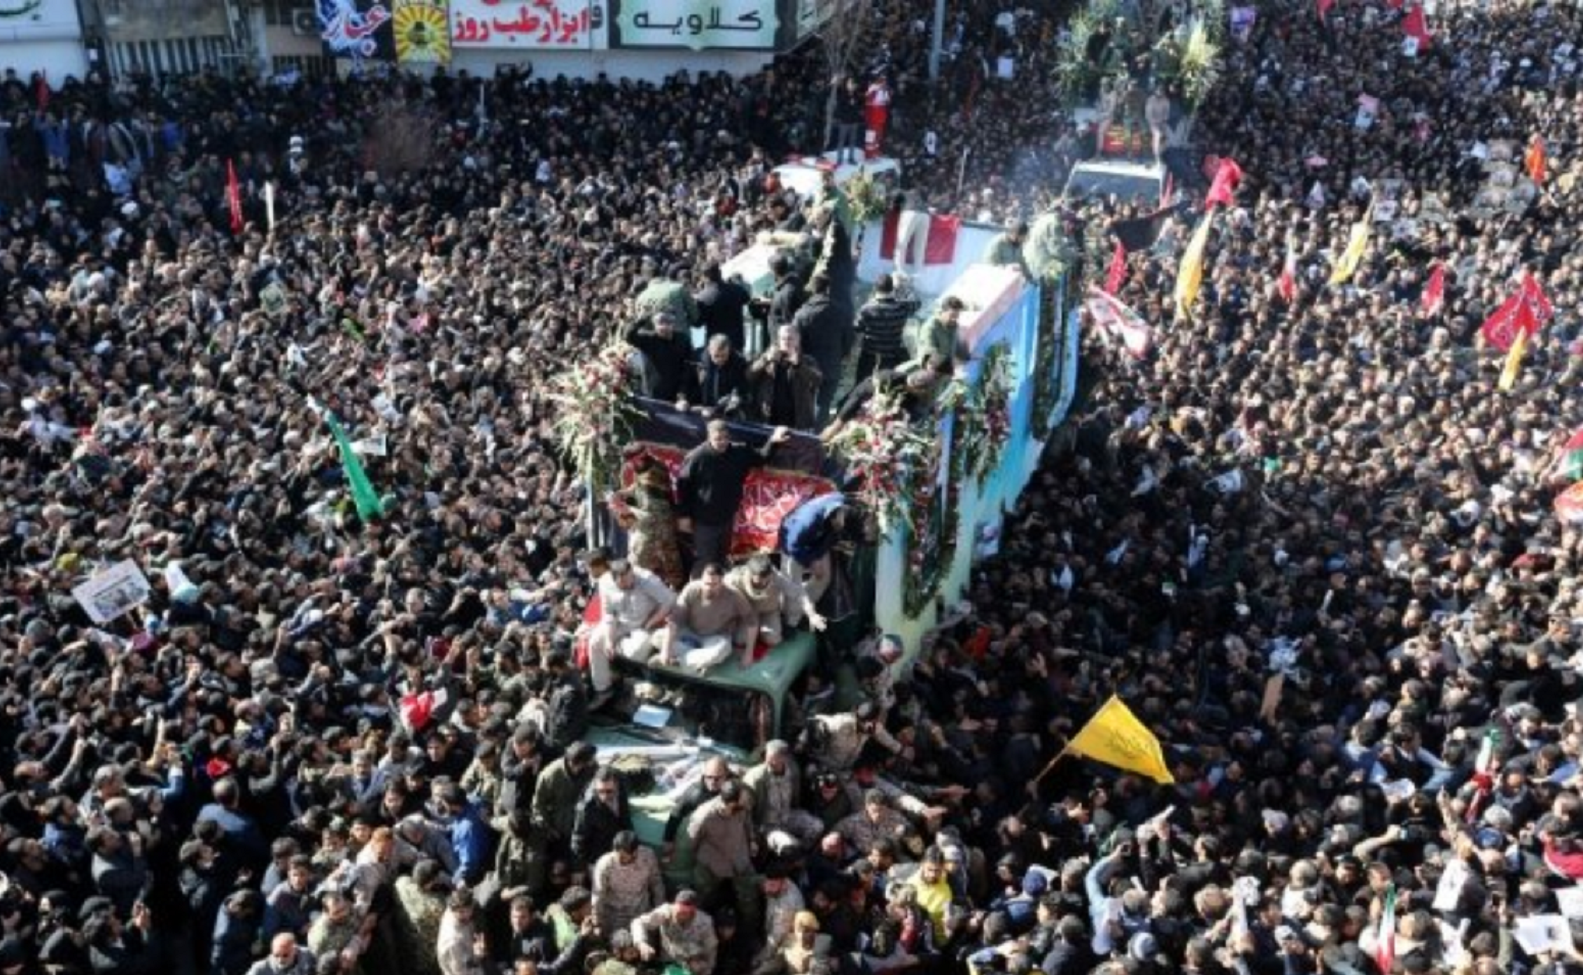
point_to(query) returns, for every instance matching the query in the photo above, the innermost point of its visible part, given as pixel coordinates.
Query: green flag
(364, 496)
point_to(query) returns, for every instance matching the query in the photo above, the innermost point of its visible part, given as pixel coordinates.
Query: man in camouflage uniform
(685, 934)
(627, 883)
(665, 293)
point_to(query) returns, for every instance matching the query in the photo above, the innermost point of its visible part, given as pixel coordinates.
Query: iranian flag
(1119, 322)
(1569, 505)
(1385, 947)
(1286, 284)
(1572, 457)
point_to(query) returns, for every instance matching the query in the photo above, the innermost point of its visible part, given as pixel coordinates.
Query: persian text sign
(531, 24)
(697, 24)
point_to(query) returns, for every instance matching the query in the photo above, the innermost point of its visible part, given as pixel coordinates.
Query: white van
(806, 175)
(1124, 179)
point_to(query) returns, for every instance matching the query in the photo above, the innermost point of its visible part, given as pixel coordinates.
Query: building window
(310, 66)
(277, 13)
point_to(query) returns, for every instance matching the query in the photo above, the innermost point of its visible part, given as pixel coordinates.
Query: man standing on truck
(709, 492)
(1005, 248)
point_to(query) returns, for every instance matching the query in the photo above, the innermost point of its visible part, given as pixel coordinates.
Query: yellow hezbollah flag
(1514, 361)
(1191, 274)
(1353, 255)
(1116, 737)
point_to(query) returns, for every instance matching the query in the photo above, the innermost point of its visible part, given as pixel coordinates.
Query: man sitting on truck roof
(777, 601)
(636, 621)
(712, 619)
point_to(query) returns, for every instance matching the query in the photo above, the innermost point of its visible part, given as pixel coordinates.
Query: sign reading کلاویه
(696, 24)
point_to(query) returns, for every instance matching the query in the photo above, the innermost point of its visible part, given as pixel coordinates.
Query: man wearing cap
(684, 934)
(666, 293)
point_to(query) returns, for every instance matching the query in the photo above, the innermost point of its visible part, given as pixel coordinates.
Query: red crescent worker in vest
(876, 112)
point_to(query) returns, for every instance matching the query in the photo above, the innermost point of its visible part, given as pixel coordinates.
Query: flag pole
(1033, 786)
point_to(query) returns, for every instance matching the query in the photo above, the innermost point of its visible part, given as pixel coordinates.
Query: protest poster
(108, 595)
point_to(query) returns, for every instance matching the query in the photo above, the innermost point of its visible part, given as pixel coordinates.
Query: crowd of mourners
(325, 745)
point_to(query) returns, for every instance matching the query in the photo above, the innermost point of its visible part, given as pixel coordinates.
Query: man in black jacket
(880, 324)
(721, 306)
(788, 294)
(709, 489)
(827, 336)
(668, 350)
(718, 384)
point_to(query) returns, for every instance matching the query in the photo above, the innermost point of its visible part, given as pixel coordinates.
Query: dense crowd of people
(326, 745)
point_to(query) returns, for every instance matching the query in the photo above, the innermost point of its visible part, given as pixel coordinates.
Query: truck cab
(670, 718)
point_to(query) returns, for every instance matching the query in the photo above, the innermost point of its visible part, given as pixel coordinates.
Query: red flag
(1534, 298)
(1227, 175)
(1168, 191)
(1286, 285)
(1435, 291)
(1504, 324)
(1324, 8)
(1414, 25)
(1534, 160)
(41, 91)
(233, 196)
(939, 246)
(1118, 269)
(1523, 312)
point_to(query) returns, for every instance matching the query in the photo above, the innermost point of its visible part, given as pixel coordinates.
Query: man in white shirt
(635, 621)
